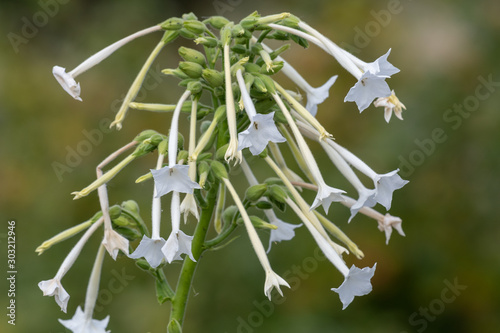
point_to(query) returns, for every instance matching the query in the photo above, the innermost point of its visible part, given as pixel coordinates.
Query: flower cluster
(248, 109)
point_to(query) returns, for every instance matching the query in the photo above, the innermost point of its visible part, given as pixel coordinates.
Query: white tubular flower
(273, 280)
(67, 80)
(178, 242)
(262, 128)
(326, 194)
(390, 104)
(81, 324)
(232, 150)
(385, 184)
(82, 321)
(173, 178)
(189, 206)
(150, 248)
(285, 231)
(356, 282)
(369, 87)
(54, 287)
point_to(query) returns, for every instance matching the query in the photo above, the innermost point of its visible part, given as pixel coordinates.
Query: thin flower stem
(93, 287)
(179, 302)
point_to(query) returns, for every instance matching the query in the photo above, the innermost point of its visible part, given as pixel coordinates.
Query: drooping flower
(369, 87)
(178, 242)
(173, 178)
(390, 104)
(80, 323)
(67, 80)
(389, 222)
(114, 242)
(150, 249)
(356, 283)
(53, 287)
(189, 206)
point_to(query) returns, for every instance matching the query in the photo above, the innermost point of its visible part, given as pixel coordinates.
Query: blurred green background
(445, 49)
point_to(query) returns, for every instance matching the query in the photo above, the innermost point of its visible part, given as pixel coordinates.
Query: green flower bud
(275, 68)
(148, 145)
(146, 134)
(237, 31)
(217, 21)
(203, 171)
(143, 264)
(188, 34)
(219, 169)
(273, 181)
(254, 193)
(128, 233)
(194, 87)
(259, 85)
(131, 206)
(207, 41)
(292, 21)
(279, 35)
(277, 193)
(279, 117)
(194, 26)
(229, 213)
(240, 49)
(189, 16)
(202, 113)
(220, 113)
(263, 153)
(115, 211)
(225, 34)
(250, 67)
(173, 23)
(121, 221)
(249, 23)
(264, 205)
(175, 72)
(213, 77)
(163, 147)
(268, 82)
(191, 69)
(192, 55)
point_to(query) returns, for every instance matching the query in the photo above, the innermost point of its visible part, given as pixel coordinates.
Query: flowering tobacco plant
(247, 109)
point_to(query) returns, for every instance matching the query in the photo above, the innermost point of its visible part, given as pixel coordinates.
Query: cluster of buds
(247, 108)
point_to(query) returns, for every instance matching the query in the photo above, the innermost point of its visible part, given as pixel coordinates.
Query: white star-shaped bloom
(189, 206)
(285, 231)
(177, 243)
(381, 66)
(175, 178)
(262, 129)
(369, 87)
(356, 283)
(366, 199)
(54, 288)
(80, 323)
(326, 195)
(385, 185)
(150, 249)
(273, 280)
(114, 242)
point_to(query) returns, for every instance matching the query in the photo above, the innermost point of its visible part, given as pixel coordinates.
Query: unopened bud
(206, 41)
(221, 152)
(131, 206)
(254, 193)
(277, 193)
(163, 147)
(194, 87)
(146, 134)
(191, 69)
(229, 213)
(264, 205)
(194, 26)
(173, 23)
(192, 55)
(213, 77)
(217, 21)
(115, 211)
(219, 170)
(175, 72)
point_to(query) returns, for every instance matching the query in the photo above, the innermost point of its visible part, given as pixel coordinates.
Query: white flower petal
(285, 231)
(177, 243)
(189, 206)
(174, 178)
(326, 195)
(382, 67)
(273, 280)
(388, 223)
(67, 82)
(80, 323)
(114, 242)
(150, 249)
(385, 185)
(262, 129)
(368, 88)
(356, 283)
(366, 199)
(54, 288)
(318, 95)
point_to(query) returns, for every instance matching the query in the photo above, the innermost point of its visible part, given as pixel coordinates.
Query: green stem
(188, 267)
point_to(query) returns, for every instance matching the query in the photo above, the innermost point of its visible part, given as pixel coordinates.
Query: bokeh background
(445, 50)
